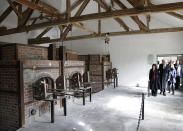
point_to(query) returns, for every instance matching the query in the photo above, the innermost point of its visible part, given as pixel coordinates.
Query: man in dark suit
(164, 75)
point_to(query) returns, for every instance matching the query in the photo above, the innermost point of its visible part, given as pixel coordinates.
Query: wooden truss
(65, 21)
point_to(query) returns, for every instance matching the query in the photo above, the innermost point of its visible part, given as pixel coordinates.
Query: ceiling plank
(134, 18)
(7, 12)
(103, 15)
(120, 21)
(111, 34)
(14, 9)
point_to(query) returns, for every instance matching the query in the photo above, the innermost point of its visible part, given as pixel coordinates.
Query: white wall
(130, 54)
(15, 38)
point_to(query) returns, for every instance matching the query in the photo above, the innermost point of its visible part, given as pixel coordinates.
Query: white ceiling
(157, 20)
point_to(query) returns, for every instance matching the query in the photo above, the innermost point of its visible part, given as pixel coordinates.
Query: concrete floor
(116, 110)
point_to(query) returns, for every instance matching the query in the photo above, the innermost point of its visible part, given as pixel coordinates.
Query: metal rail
(141, 115)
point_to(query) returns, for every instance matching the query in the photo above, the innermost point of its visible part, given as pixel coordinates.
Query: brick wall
(97, 68)
(9, 112)
(71, 55)
(9, 106)
(23, 52)
(8, 52)
(32, 52)
(84, 58)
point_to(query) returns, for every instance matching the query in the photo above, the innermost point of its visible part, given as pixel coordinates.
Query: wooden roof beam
(19, 14)
(99, 21)
(27, 14)
(48, 7)
(44, 32)
(36, 7)
(7, 12)
(134, 18)
(78, 13)
(68, 5)
(118, 20)
(174, 14)
(50, 13)
(103, 15)
(111, 34)
(179, 16)
(148, 17)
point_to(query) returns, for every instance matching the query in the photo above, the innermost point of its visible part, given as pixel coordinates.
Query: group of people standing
(166, 77)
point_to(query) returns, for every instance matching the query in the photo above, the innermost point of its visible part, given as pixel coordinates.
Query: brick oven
(18, 79)
(97, 65)
(24, 69)
(36, 72)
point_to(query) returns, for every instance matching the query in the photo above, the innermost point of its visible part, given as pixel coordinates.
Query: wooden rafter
(48, 6)
(61, 31)
(78, 13)
(50, 12)
(76, 4)
(148, 17)
(174, 14)
(27, 14)
(34, 21)
(134, 18)
(135, 32)
(19, 10)
(15, 9)
(99, 21)
(44, 32)
(37, 7)
(179, 16)
(68, 3)
(170, 7)
(80, 26)
(7, 12)
(120, 21)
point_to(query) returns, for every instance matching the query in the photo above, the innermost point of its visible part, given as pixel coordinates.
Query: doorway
(173, 57)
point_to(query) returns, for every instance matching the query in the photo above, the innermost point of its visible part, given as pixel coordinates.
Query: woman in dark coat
(154, 80)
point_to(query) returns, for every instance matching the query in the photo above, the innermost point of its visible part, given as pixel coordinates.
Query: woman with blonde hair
(172, 78)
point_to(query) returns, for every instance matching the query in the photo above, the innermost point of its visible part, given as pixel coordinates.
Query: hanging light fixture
(107, 39)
